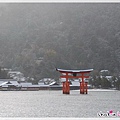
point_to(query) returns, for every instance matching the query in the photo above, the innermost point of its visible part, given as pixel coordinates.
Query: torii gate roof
(74, 71)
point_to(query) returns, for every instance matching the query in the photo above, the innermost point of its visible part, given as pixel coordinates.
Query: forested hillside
(37, 38)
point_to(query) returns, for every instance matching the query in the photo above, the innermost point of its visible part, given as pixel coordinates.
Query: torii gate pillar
(66, 85)
(73, 74)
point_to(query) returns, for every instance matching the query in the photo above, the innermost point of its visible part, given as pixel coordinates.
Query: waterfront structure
(75, 74)
(17, 75)
(11, 84)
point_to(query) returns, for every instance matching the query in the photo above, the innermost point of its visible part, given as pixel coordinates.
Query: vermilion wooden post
(67, 84)
(66, 87)
(86, 87)
(83, 85)
(80, 87)
(63, 88)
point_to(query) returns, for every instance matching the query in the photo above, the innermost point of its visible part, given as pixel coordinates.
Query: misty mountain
(35, 38)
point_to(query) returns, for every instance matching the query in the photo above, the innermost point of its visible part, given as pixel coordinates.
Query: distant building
(10, 85)
(46, 80)
(104, 73)
(109, 78)
(17, 75)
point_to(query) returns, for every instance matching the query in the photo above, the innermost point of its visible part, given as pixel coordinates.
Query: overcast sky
(59, 0)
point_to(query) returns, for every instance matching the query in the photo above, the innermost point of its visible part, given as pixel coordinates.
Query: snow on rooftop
(26, 84)
(4, 83)
(14, 72)
(53, 83)
(10, 83)
(75, 71)
(104, 71)
(108, 77)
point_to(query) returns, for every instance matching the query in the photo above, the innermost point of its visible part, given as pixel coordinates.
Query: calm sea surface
(55, 104)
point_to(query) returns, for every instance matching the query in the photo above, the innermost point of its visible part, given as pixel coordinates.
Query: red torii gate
(74, 74)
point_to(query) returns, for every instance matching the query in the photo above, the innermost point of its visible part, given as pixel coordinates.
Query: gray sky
(60, 1)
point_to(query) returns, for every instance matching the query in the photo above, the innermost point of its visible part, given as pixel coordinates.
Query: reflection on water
(56, 104)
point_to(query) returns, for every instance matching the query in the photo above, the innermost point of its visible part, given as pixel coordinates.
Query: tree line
(68, 36)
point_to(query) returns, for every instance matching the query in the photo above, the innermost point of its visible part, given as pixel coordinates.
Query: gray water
(55, 104)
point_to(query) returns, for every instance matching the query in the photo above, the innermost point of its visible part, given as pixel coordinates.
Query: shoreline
(89, 90)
